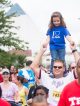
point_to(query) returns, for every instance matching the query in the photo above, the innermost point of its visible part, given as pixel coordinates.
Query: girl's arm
(69, 38)
(75, 52)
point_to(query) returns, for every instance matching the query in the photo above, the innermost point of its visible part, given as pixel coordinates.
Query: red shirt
(1, 79)
(70, 95)
(4, 103)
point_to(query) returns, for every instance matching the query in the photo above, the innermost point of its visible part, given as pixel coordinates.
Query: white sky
(40, 12)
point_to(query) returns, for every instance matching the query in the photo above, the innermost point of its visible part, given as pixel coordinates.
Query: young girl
(56, 35)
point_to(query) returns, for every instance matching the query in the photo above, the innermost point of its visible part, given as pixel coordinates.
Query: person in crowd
(56, 84)
(31, 94)
(40, 90)
(70, 95)
(39, 101)
(72, 68)
(56, 34)
(29, 74)
(9, 89)
(13, 74)
(23, 91)
(1, 79)
(3, 102)
(32, 89)
(12, 68)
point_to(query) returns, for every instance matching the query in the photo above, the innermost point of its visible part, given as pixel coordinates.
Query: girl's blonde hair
(56, 14)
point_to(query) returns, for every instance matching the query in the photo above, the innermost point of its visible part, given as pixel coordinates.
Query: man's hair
(0, 92)
(28, 63)
(46, 90)
(60, 61)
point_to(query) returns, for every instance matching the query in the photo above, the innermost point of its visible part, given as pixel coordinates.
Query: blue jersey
(57, 37)
(28, 75)
(31, 80)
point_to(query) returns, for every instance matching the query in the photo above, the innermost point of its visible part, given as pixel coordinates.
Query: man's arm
(36, 62)
(75, 52)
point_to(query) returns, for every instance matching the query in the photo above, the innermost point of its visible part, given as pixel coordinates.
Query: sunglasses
(59, 67)
(5, 73)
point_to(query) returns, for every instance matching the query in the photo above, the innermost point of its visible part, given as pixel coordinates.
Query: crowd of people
(32, 85)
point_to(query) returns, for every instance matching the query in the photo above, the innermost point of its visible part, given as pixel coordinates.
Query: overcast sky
(41, 10)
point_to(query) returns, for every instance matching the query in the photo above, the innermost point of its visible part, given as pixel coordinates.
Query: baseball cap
(5, 70)
(23, 73)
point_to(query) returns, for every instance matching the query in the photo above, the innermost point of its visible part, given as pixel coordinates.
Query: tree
(7, 38)
(7, 59)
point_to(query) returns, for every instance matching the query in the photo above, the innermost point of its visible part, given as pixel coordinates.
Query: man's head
(41, 90)
(78, 69)
(28, 63)
(39, 101)
(58, 68)
(72, 66)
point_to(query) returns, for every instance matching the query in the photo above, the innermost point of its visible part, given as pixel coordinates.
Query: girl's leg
(54, 56)
(61, 54)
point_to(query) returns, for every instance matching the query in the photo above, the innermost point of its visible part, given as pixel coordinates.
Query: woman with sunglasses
(55, 84)
(9, 89)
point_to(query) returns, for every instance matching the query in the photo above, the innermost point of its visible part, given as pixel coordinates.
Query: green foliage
(7, 38)
(7, 59)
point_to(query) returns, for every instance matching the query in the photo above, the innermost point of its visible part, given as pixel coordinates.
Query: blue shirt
(31, 80)
(57, 37)
(28, 75)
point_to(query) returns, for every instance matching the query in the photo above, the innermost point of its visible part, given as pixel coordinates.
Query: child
(56, 35)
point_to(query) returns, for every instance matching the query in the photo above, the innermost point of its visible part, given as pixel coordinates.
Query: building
(21, 52)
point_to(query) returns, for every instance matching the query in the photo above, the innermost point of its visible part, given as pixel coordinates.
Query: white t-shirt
(55, 86)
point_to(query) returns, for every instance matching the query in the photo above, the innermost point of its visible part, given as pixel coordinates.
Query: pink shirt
(8, 94)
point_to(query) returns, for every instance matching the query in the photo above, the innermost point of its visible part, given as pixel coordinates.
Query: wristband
(74, 50)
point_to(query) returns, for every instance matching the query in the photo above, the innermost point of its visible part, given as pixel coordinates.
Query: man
(3, 102)
(28, 74)
(72, 68)
(55, 85)
(70, 95)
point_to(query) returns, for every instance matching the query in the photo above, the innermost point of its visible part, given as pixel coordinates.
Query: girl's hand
(72, 46)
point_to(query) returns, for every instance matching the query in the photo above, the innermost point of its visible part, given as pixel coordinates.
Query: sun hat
(5, 70)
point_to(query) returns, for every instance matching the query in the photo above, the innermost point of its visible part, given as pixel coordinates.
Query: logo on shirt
(56, 94)
(74, 101)
(56, 34)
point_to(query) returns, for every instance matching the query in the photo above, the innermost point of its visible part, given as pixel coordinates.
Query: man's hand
(72, 46)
